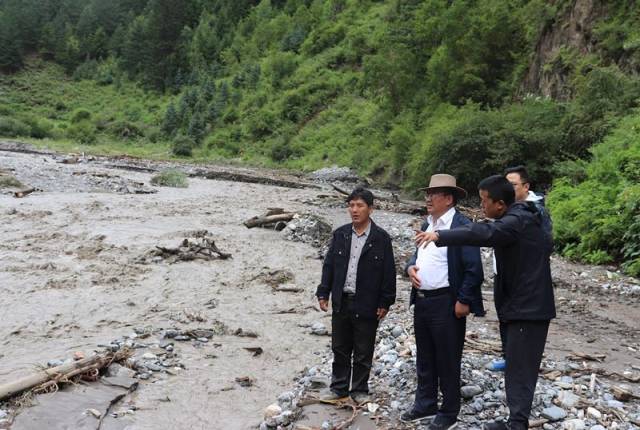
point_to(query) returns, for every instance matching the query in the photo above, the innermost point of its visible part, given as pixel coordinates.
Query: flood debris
(245, 381)
(199, 246)
(275, 218)
(49, 379)
(308, 228)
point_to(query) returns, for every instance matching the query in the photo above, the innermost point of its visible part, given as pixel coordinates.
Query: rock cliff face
(569, 35)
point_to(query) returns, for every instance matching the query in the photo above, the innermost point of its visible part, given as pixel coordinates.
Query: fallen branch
(47, 378)
(261, 221)
(200, 246)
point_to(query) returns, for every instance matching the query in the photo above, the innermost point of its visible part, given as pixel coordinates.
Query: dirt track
(71, 278)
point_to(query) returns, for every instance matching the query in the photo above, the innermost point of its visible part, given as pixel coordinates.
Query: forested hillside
(395, 89)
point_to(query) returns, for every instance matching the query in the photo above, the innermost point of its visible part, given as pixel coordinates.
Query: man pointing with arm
(523, 291)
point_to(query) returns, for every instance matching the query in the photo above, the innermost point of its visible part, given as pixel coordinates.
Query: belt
(349, 296)
(423, 294)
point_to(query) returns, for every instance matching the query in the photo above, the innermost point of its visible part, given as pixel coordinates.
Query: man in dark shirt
(359, 274)
(523, 292)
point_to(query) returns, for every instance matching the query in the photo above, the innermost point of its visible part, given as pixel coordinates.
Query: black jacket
(376, 277)
(522, 290)
(465, 270)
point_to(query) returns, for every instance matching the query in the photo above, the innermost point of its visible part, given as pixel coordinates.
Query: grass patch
(170, 178)
(8, 181)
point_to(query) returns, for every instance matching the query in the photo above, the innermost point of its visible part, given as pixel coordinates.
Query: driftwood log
(21, 193)
(272, 217)
(62, 373)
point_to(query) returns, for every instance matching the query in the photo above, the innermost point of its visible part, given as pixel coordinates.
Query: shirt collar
(366, 232)
(445, 219)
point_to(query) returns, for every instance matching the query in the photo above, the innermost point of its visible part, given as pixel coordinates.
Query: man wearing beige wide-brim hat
(445, 289)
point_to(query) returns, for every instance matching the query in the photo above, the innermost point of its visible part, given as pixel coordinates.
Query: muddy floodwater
(70, 280)
(73, 275)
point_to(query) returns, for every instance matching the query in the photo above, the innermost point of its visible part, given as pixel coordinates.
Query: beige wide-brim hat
(442, 180)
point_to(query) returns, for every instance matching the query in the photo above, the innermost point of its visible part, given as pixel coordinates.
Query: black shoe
(441, 423)
(496, 425)
(412, 415)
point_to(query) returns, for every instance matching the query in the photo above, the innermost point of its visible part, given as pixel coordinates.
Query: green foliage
(476, 143)
(182, 146)
(80, 115)
(170, 178)
(597, 219)
(10, 127)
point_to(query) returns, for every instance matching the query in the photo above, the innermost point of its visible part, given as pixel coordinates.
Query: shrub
(125, 129)
(182, 146)
(80, 115)
(84, 132)
(170, 178)
(597, 219)
(10, 127)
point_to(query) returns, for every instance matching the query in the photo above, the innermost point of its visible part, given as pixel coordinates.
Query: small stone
(149, 356)
(318, 382)
(575, 424)
(203, 339)
(547, 426)
(171, 333)
(78, 355)
(318, 329)
(284, 419)
(153, 367)
(567, 399)
(182, 338)
(397, 331)
(54, 363)
(469, 391)
(615, 404)
(3, 414)
(594, 413)
(597, 427)
(272, 411)
(554, 413)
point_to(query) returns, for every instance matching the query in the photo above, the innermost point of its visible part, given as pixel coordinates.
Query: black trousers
(524, 347)
(352, 341)
(439, 342)
(503, 338)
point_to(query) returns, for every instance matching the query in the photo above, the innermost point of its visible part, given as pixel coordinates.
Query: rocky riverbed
(226, 338)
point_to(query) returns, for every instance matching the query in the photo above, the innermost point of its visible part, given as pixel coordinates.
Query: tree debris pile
(199, 246)
(308, 228)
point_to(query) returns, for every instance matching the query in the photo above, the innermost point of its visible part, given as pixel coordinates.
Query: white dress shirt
(432, 261)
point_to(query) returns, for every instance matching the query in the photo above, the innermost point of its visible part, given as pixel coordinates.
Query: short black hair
(520, 170)
(361, 193)
(498, 189)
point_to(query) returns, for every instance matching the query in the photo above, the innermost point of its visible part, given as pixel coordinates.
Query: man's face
(491, 208)
(438, 203)
(521, 189)
(359, 211)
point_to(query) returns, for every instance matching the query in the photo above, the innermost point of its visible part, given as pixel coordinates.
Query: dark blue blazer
(465, 270)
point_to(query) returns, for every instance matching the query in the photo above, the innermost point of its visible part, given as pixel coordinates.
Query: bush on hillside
(80, 115)
(473, 143)
(598, 219)
(11, 127)
(182, 146)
